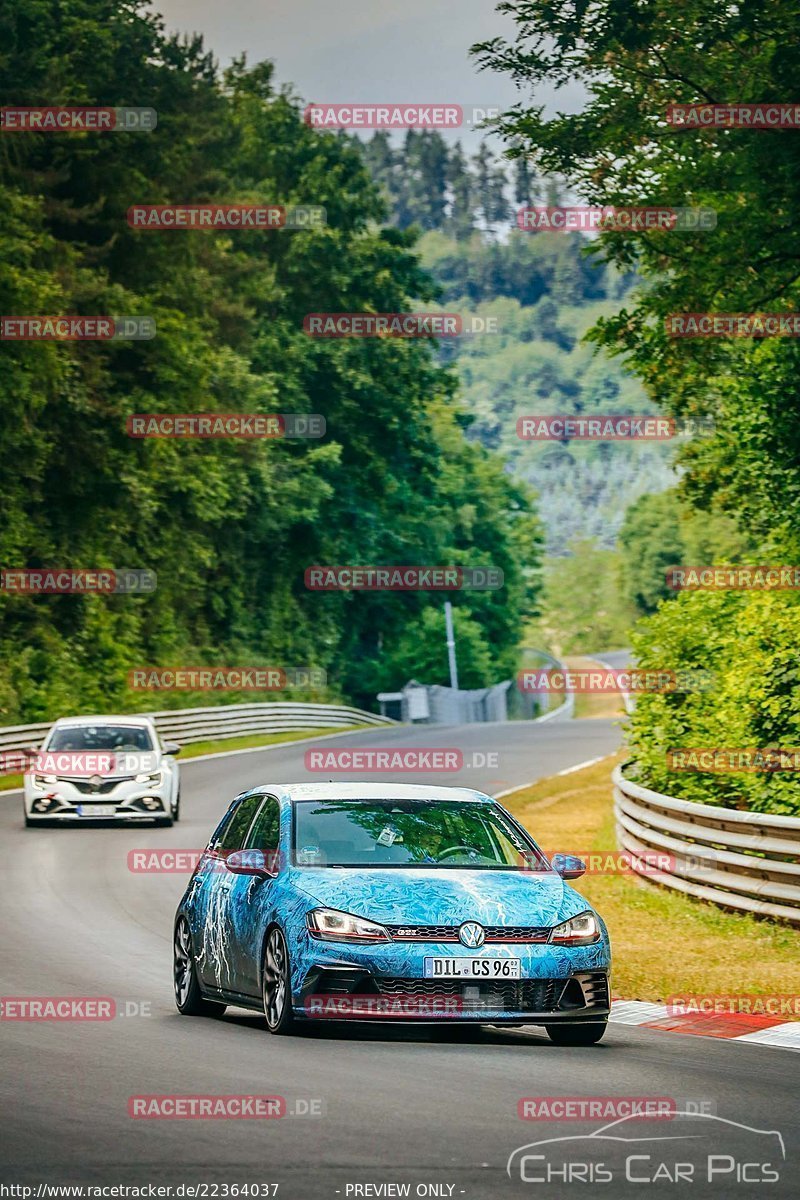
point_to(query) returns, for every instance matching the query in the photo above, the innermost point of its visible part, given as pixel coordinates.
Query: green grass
(590, 705)
(9, 782)
(663, 942)
(263, 739)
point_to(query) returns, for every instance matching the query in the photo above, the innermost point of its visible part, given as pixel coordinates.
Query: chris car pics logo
(701, 1148)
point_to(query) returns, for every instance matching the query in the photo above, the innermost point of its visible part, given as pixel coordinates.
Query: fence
(219, 722)
(746, 861)
(432, 704)
(544, 704)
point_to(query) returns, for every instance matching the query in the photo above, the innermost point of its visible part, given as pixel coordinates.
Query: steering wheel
(451, 850)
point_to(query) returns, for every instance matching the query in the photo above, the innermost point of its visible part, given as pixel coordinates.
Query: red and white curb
(741, 1027)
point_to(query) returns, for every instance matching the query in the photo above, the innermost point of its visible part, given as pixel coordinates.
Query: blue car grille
(514, 995)
(449, 933)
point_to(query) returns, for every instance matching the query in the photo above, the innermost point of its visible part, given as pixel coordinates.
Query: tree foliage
(228, 526)
(635, 61)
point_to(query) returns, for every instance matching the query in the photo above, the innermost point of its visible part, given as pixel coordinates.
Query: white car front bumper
(122, 800)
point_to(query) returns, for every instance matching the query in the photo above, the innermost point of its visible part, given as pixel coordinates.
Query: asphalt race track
(388, 1105)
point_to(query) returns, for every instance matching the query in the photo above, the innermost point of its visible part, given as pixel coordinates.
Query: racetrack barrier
(746, 861)
(219, 721)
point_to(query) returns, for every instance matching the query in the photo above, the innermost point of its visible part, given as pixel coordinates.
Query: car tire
(176, 812)
(189, 1000)
(162, 822)
(587, 1034)
(276, 984)
(29, 824)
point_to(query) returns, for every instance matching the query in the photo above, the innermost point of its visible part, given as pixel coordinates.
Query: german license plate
(97, 810)
(472, 968)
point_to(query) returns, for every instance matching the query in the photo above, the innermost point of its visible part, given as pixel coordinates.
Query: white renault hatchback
(103, 768)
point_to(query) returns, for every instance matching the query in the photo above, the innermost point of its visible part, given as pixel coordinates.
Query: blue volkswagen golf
(399, 902)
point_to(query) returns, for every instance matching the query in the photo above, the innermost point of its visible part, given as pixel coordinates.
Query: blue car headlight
(333, 926)
(577, 931)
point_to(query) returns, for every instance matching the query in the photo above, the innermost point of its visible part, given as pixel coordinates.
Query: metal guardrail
(220, 721)
(747, 861)
(542, 706)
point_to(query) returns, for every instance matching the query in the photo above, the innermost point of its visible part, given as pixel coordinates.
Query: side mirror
(262, 864)
(172, 748)
(568, 866)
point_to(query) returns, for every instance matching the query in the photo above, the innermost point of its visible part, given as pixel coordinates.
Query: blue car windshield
(410, 833)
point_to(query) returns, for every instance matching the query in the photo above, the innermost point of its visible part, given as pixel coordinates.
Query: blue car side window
(265, 833)
(234, 834)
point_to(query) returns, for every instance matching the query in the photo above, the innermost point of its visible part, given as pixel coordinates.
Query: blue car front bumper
(388, 981)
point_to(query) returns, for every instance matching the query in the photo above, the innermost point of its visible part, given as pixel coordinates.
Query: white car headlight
(330, 925)
(41, 781)
(577, 931)
(147, 778)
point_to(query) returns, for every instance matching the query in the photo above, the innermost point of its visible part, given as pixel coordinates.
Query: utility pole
(451, 643)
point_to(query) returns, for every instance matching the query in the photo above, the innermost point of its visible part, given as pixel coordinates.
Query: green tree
(650, 542)
(228, 526)
(582, 611)
(661, 531)
(747, 645)
(421, 652)
(620, 149)
(461, 219)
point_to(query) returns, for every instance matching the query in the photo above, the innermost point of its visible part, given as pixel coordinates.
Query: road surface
(394, 1105)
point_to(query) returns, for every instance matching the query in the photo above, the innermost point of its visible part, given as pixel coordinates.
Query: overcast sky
(406, 51)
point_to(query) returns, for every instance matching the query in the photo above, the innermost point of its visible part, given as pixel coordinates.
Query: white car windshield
(100, 737)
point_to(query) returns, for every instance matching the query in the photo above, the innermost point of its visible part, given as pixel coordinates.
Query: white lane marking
(590, 762)
(787, 1036)
(520, 787)
(567, 707)
(637, 1012)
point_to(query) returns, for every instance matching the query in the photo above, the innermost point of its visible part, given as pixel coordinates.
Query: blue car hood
(442, 897)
